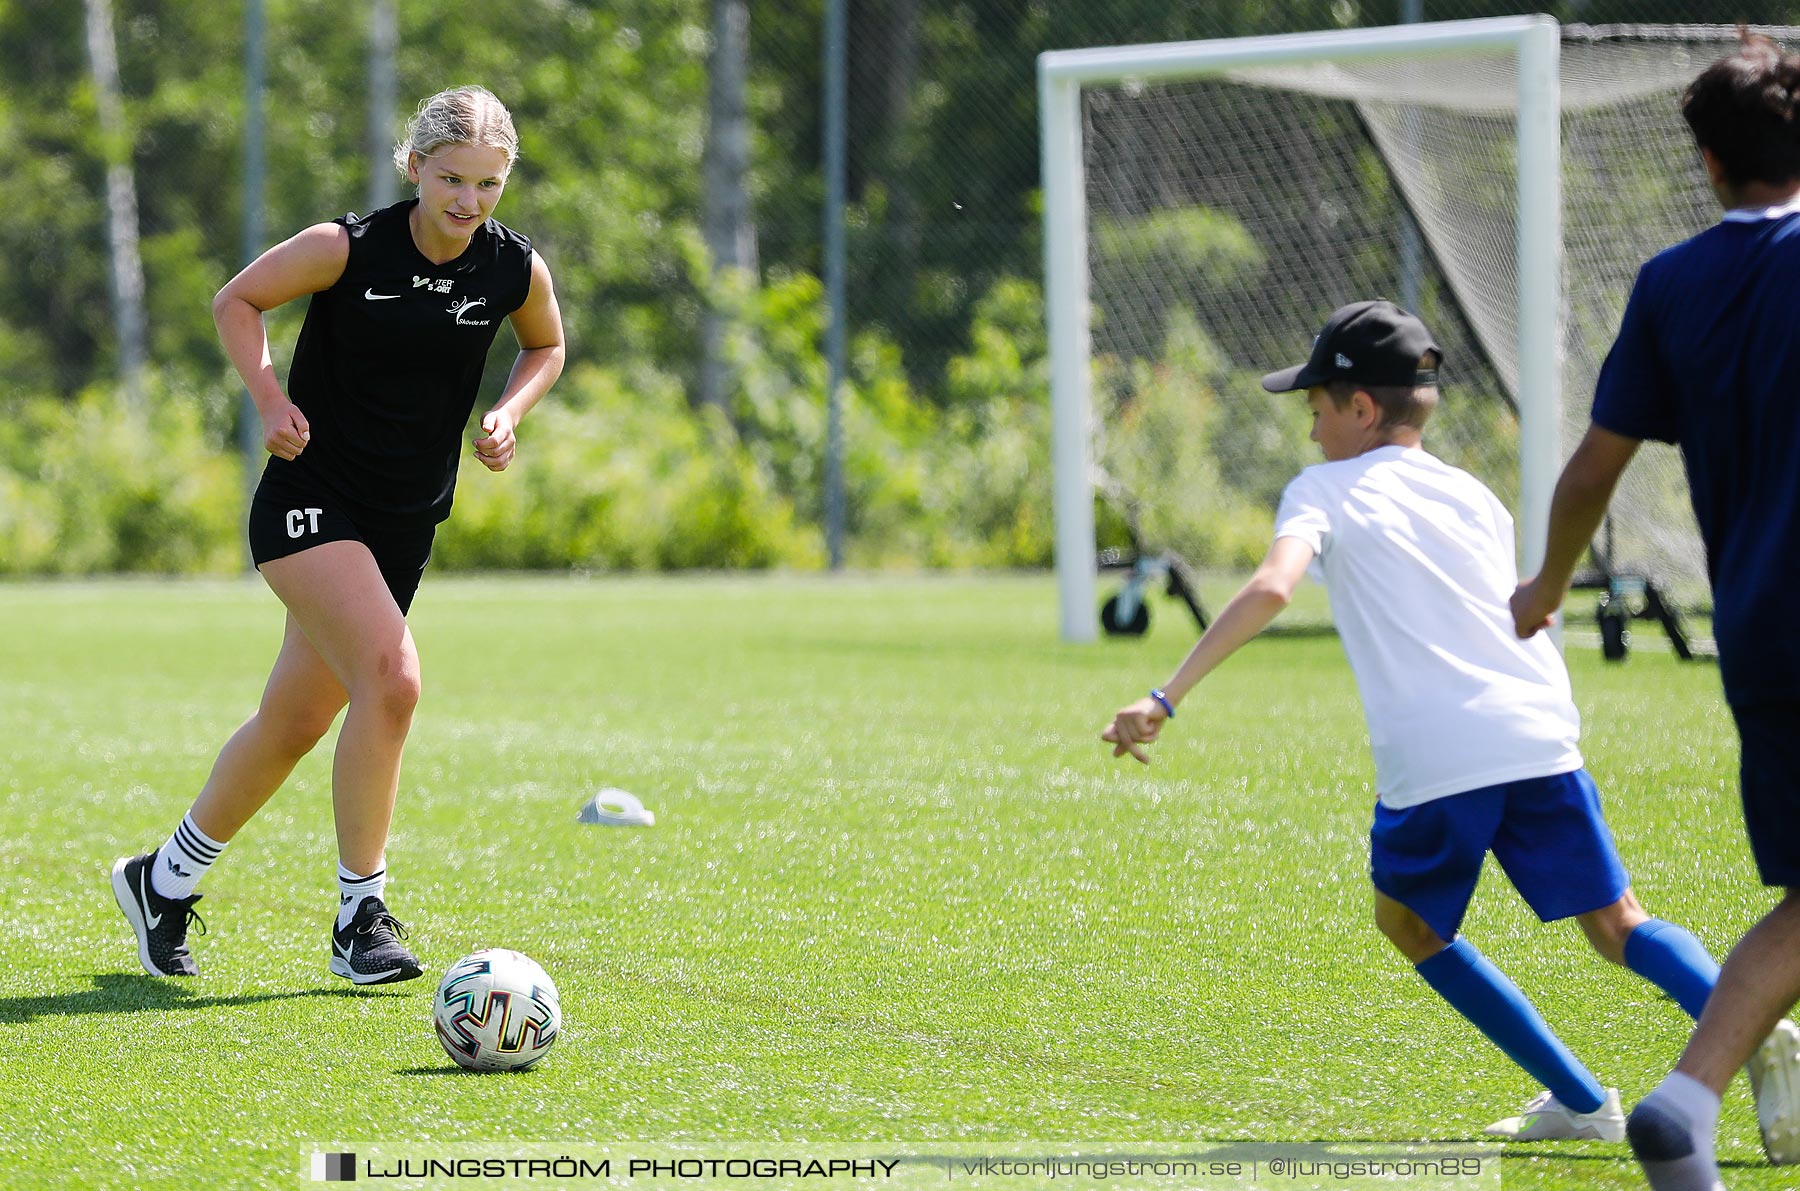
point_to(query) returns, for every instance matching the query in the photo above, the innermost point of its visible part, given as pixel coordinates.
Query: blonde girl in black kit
(364, 445)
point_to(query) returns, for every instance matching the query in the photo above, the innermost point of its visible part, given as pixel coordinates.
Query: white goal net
(1226, 214)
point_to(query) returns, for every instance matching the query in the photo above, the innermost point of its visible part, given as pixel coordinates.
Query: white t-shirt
(1418, 559)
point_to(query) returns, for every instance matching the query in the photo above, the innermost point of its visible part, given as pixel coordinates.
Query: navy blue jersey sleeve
(1633, 396)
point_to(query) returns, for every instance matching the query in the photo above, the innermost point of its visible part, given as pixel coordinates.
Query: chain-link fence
(943, 120)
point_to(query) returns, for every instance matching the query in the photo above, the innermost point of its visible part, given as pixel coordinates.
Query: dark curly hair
(1743, 108)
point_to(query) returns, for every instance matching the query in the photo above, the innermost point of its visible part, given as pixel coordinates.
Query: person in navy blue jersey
(364, 443)
(1708, 358)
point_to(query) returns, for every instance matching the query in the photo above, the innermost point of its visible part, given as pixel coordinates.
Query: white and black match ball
(496, 1010)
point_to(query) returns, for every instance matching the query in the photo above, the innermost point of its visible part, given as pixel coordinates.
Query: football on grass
(496, 1010)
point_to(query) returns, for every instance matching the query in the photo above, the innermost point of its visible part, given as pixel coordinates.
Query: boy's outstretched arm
(1583, 491)
(1249, 611)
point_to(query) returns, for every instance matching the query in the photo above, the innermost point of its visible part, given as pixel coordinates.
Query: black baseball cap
(1374, 343)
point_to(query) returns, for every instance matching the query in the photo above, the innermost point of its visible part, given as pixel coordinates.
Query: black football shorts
(287, 517)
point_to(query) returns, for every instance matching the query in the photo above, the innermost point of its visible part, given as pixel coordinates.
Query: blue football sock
(1481, 992)
(1673, 960)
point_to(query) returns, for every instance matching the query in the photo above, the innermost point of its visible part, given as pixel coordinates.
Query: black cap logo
(1375, 343)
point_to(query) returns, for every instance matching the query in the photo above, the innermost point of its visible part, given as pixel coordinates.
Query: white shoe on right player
(1546, 1118)
(1774, 1072)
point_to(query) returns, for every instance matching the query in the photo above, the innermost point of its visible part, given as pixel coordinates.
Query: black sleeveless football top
(388, 366)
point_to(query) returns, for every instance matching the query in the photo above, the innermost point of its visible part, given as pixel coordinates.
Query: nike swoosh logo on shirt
(150, 920)
(372, 296)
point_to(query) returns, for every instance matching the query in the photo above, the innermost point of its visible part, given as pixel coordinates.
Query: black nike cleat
(161, 922)
(369, 950)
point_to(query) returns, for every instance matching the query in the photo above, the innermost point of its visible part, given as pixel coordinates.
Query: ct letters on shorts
(301, 522)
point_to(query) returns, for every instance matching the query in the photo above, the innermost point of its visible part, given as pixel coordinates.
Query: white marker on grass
(616, 808)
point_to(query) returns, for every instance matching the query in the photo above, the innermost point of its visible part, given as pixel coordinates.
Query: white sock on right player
(1671, 1133)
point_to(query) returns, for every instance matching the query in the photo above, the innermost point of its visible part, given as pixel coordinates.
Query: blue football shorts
(1547, 833)
(1769, 778)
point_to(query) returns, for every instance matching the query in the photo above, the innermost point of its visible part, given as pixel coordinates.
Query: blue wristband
(1168, 707)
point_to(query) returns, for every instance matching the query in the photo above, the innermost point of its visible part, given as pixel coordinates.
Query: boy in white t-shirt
(1474, 731)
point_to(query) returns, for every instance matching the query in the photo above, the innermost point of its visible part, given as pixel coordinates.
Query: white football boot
(1774, 1072)
(1546, 1118)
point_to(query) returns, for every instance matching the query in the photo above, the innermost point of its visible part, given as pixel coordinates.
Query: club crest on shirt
(460, 307)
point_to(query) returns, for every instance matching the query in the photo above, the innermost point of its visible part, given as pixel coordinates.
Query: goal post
(1534, 46)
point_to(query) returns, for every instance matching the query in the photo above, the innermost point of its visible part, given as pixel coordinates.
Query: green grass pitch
(897, 890)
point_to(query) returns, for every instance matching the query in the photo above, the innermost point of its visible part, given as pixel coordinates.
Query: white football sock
(353, 890)
(184, 859)
(1671, 1132)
